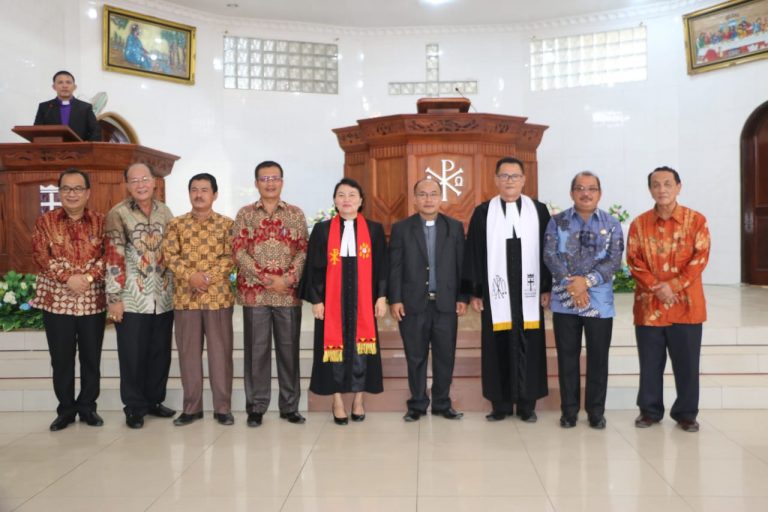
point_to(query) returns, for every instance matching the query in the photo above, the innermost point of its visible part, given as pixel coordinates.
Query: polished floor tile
(386, 464)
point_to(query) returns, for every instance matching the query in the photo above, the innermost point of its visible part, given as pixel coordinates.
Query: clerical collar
(64, 102)
(429, 223)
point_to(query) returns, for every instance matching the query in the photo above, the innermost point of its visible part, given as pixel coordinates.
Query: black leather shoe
(92, 418)
(134, 420)
(61, 422)
(186, 419)
(254, 419)
(689, 425)
(644, 421)
(224, 418)
(357, 417)
(412, 415)
(449, 413)
(495, 415)
(528, 416)
(597, 423)
(340, 421)
(161, 411)
(567, 421)
(293, 417)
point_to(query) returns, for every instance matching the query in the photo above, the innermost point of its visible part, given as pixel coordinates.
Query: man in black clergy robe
(68, 110)
(514, 363)
(425, 255)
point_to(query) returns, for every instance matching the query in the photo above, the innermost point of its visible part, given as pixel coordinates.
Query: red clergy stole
(333, 341)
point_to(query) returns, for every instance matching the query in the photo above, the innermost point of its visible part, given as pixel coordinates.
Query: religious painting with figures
(143, 45)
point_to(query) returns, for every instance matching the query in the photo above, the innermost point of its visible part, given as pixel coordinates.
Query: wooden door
(754, 197)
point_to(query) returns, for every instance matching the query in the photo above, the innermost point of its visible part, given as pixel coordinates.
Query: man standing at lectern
(67, 110)
(504, 272)
(425, 255)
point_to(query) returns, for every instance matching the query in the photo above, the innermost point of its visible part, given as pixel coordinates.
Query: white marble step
(623, 361)
(717, 392)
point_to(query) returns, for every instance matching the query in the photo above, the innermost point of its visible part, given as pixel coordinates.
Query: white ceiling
(404, 13)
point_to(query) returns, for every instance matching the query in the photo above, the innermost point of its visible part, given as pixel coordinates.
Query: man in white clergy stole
(505, 275)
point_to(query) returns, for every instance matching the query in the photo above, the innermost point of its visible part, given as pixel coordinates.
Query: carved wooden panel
(398, 149)
(24, 167)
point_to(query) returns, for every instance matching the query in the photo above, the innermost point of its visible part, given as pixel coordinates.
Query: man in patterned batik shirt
(270, 249)
(198, 249)
(582, 248)
(667, 251)
(68, 247)
(140, 296)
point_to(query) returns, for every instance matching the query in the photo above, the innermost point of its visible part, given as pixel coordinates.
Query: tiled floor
(386, 464)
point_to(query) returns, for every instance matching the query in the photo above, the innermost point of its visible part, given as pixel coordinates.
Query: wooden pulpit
(445, 142)
(29, 174)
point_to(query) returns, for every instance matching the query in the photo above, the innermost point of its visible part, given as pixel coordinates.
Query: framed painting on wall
(726, 34)
(147, 46)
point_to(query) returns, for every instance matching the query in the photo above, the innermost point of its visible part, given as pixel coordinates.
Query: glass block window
(589, 59)
(285, 66)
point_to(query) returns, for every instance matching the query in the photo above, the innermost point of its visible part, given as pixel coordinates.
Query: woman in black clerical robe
(345, 303)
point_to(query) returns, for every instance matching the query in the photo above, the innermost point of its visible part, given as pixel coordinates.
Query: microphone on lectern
(462, 95)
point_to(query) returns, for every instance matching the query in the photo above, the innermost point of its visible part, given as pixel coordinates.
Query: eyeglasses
(270, 179)
(136, 181)
(582, 188)
(77, 190)
(514, 178)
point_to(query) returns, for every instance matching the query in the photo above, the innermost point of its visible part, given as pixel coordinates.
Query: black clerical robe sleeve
(380, 260)
(473, 275)
(545, 276)
(312, 286)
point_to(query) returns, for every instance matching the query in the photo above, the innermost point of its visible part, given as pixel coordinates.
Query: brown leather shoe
(644, 421)
(689, 425)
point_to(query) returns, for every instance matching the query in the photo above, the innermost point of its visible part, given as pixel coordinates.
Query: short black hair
(664, 168)
(589, 174)
(351, 183)
(125, 171)
(204, 176)
(509, 160)
(63, 72)
(422, 180)
(74, 170)
(264, 164)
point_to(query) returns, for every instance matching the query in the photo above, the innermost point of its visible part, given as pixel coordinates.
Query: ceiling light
(435, 2)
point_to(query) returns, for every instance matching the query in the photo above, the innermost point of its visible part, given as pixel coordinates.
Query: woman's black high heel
(340, 421)
(358, 417)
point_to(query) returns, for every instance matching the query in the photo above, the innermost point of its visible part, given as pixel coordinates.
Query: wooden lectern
(388, 155)
(25, 168)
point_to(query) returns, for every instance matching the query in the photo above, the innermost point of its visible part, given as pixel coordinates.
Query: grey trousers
(259, 322)
(216, 326)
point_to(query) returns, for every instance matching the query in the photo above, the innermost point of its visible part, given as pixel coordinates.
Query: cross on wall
(49, 198)
(432, 86)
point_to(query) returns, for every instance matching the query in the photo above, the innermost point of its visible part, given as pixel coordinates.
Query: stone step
(717, 392)
(623, 361)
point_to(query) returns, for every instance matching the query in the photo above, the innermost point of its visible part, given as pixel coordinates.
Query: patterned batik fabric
(63, 247)
(676, 251)
(590, 249)
(136, 272)
(268, 244)
(192, 245)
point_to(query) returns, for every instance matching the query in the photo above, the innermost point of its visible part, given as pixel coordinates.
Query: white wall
(692, 123)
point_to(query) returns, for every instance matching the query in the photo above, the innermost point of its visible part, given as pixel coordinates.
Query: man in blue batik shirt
(582, 248)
